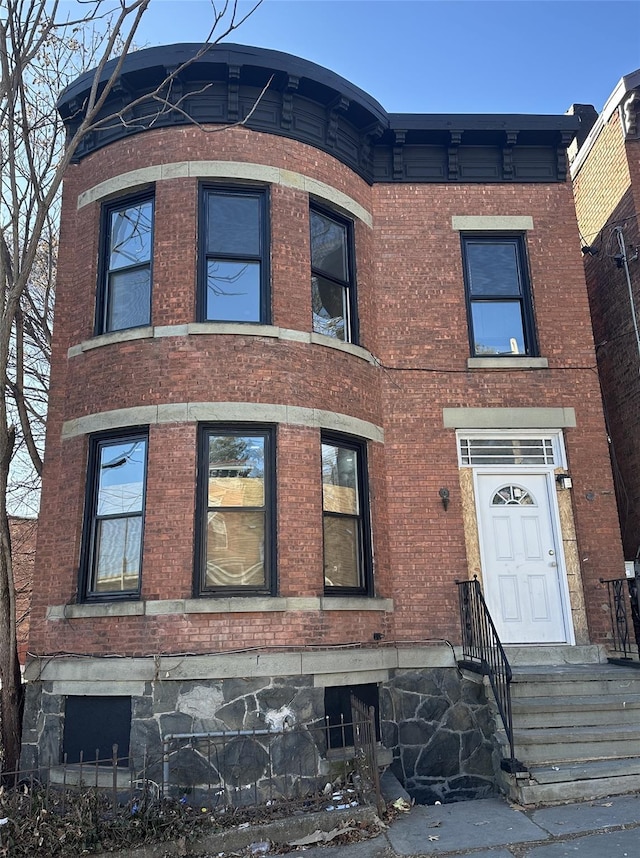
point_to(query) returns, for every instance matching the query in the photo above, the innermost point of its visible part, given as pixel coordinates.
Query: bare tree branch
(41, 51)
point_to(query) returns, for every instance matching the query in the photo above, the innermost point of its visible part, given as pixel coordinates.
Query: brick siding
(412, 318)
(607, 194)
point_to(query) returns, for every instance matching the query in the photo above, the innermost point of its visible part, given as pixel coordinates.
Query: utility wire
(625, 265)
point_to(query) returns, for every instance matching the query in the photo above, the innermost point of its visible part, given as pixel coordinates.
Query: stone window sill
(224, 605)
(218, 329)
(523, 362)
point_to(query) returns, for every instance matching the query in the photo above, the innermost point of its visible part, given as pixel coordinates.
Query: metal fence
(310, 766)
(624, 615)
(365, 748)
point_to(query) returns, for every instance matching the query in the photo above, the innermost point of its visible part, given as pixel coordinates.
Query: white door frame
(522, 470)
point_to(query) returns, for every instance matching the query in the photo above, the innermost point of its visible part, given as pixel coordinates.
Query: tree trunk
(11, 693)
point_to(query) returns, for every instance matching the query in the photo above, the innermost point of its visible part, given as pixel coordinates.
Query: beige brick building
(605, 170)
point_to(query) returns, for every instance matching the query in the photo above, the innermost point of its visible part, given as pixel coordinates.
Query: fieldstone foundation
(440, 728)
(437, 724)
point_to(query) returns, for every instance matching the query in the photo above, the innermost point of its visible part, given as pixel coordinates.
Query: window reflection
(501, 321)
(126, 295)
(118, 513)
(236, 516)
(342, 525)
(235, 259)
(331, 279)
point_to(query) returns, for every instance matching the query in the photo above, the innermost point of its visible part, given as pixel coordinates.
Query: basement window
(339, 715)
(93, 726)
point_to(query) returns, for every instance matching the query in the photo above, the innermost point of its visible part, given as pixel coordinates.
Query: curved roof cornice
(277, 93)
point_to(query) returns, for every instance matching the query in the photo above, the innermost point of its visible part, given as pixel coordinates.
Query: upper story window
(347, 538)
(124, 296)
(112, 553)
(332, 277)
(237, 516)
(234, 256)
(498, 296)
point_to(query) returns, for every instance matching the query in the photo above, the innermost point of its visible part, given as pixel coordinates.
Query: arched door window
(512, 496)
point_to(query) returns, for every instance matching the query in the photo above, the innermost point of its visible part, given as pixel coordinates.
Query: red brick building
(23, 551)
(313, 363)
(605, 170)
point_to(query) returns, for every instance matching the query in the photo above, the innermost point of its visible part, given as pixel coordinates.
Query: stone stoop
(577, 731)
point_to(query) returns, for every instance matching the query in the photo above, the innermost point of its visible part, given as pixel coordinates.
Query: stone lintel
(491, 223)
(329, 680)
(238, 170)
(96, 688)
(193, 412)
(508, 418)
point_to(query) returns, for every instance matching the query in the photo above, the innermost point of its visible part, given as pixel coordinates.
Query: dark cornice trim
(311, 104)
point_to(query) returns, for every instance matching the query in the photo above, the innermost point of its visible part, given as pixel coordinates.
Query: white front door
(522, 574)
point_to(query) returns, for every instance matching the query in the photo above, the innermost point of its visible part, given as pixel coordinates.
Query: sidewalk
(492, 828)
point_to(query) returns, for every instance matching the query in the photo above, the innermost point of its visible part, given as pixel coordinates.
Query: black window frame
(350, 285)
(525, 298)
(264, 257)
(86, 591)
(363, 519)
(103, 292)
(268, 432)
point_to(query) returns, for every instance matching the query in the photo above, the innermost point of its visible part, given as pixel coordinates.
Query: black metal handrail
(482, 652)
(623, 606)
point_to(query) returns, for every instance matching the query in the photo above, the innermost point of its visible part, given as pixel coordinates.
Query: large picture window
(332, 277)
(124, 296)
(115, 513)
(347, 540)
(234, 255)
(498, 297)
(237, 519)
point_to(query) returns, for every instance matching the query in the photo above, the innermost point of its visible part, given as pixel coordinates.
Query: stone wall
(440, 728)
(436, 723)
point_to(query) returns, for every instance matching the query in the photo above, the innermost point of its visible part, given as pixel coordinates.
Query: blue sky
(439, 56)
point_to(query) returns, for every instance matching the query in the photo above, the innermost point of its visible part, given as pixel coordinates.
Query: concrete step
(576, 729)
(582, 770)
(555, 655)
(532, 793)
(577, 710)
(583, 681)
(573, 782)
(552, 745)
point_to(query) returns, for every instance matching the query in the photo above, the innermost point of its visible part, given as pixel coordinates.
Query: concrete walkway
(492, 828)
